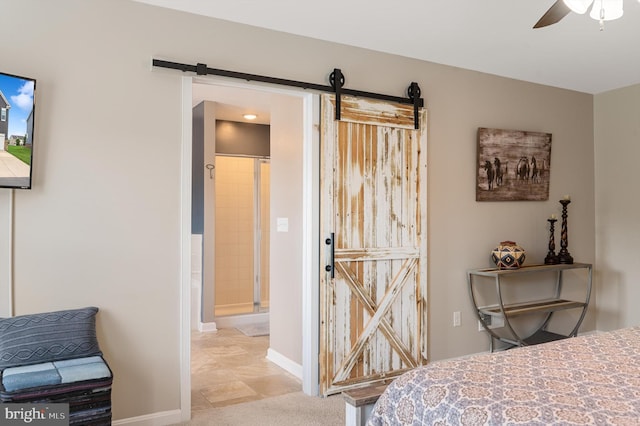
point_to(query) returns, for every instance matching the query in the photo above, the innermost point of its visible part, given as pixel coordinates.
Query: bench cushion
(15, 379)
(46, 337)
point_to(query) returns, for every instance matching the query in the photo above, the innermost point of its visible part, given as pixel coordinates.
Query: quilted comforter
(591, 379)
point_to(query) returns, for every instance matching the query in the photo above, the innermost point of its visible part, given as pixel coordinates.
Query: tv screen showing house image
(17, 109)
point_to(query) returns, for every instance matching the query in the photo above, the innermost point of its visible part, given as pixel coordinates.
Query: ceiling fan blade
(555, 13)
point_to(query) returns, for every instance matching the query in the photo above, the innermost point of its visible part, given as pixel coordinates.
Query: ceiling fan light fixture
(606, 10)
(578, 6)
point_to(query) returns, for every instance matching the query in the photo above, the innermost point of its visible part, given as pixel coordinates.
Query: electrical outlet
(487, 320)
(497, 322)
(491, 322)
(456, 319)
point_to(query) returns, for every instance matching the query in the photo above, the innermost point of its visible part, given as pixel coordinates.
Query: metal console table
(547, 306)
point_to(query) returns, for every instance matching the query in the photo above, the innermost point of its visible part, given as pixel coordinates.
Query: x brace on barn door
(336, 79)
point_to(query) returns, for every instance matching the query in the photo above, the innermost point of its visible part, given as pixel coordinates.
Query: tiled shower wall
(235, 235)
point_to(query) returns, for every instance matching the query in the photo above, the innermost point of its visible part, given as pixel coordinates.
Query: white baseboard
(207, 326)
(283, 362)
(223, 310)
(162, 418)
(586, 333)
(244, 319)
(233, 321)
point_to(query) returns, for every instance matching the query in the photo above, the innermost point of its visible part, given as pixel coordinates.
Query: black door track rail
(336, 79)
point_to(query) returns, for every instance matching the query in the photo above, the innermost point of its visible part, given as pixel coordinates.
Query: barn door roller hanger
(336, 79)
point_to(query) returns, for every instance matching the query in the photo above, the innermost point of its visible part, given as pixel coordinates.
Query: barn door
(373, 219)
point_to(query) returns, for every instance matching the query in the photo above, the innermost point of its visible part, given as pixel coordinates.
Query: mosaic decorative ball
(508, 255)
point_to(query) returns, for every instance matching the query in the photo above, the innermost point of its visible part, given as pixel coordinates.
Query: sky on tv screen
(19, 94)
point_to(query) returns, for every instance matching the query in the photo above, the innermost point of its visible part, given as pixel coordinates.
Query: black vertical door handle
(331, 266)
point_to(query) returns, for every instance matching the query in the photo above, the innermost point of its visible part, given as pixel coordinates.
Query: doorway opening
(297, 320)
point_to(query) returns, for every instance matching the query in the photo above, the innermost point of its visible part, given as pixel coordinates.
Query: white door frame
(310, 225)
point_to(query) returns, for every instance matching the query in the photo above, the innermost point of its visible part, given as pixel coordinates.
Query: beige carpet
(290, 409)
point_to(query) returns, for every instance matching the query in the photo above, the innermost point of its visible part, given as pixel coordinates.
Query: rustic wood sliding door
(373, 219)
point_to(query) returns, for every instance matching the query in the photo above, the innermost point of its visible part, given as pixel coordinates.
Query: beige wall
(5, 253)
(208, 296)
(102, 224)
(285, 310)
(617, 149)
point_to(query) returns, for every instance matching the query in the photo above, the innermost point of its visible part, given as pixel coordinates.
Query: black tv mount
(336, 80)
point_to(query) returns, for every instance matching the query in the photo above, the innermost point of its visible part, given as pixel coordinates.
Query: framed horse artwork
(513, 165)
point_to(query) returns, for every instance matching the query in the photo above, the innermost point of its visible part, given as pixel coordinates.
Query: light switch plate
(282, 224)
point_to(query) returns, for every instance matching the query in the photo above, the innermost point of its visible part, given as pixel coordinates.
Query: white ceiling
(492, 36)
(233, 102)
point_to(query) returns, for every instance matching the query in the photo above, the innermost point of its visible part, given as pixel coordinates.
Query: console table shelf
(510, 310)
(549, 305)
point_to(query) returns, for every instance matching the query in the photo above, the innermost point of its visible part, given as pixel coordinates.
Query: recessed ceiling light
(250, 116)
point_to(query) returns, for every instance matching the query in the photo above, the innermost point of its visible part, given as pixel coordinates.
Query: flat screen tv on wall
(17, 122)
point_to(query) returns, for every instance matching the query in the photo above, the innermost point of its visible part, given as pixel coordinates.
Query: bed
(591, 379)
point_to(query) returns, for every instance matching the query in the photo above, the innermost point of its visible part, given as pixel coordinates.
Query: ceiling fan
(602, 10)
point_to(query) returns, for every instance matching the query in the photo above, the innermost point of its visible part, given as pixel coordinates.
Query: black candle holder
(563, 254)
(552, 257)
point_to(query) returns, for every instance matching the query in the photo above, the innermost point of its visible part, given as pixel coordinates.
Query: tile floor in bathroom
(228, 368)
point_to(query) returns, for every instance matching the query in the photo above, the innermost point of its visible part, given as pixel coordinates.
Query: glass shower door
(242, 235)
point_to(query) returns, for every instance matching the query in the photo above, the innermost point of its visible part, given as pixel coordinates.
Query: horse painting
(534, 171)
(490, 174)
(522, 169)
(512, 165)
(499, 171)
